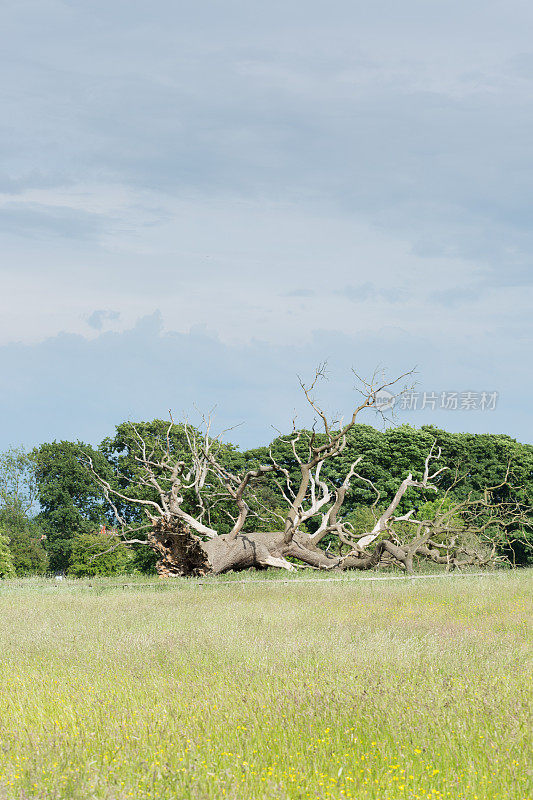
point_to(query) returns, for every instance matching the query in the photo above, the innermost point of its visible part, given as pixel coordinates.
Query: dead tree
(189, 545)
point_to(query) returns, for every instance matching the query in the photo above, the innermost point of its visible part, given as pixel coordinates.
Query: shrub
(99, 554)
(7, 569)
(25, 543)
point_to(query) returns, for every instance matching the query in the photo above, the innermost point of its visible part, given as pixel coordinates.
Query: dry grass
(316, 690)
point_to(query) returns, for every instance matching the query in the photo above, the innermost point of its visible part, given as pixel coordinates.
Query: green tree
(7, 570)
(95, 554)
(28, 554)
(71, 501)
(18, 503)
(479, 460)
(18, 488)
(122, 451)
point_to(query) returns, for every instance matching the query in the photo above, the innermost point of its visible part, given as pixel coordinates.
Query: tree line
(56, 518)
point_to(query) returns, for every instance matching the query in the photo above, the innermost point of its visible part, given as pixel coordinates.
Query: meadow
(266, 689)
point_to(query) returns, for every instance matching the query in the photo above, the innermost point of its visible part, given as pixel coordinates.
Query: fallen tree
(457, 535)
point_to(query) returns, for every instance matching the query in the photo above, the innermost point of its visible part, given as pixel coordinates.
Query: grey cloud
(70, 387)
(99, 318)
(455, 297)
(328, 105)
(368, 291)
(299, 293)
(358, 294)
(44, 222)
(352, 112)
(522, 65)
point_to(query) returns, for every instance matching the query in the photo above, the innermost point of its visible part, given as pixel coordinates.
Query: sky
(201, 201)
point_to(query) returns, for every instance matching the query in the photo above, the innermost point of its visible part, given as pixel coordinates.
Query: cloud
(221, 161)
(70, 387)
(455, 296)
(299, 293)
(368, 291)
(382, 126)
(98, 319)
(358, 294)
(44, 223)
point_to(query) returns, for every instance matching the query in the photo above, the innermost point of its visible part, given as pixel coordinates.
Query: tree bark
(181, 552)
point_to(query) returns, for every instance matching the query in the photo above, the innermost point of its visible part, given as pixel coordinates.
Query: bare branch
(381, 524)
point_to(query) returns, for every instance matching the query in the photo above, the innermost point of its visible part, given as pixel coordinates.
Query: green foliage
(25, 537)
(387, 458)
(71, 502)
(7, 569)
(121, 453)
(483, 460)
(442, 508)
(143, 559)
(29, 555)
(474, 462)
(362, 520)
(18, 492)
(98, 554)
(70, 499)
(17, 501)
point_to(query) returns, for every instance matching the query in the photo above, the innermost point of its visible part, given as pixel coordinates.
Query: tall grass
(415, 689)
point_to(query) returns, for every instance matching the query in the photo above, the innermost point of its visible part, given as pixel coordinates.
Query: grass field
(349, 689)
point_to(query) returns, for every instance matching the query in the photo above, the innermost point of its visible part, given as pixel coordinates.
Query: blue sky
(199, 201)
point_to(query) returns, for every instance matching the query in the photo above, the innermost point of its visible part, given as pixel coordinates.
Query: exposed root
(180, 552)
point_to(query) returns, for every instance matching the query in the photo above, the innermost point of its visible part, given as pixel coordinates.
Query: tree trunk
(181, 552)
